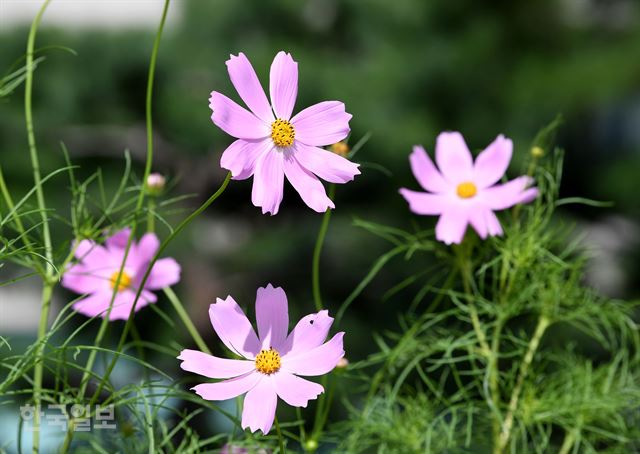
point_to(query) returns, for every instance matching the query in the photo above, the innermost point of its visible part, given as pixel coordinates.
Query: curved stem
(280, 437)
(184, 316)
(148, 163)
(317, 251)
(161, 249)
(507, 425)
(47, 289)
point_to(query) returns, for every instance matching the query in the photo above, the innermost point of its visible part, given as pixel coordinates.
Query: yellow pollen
(282, 133)
(268, 361)
(125, 281)
(466, 190)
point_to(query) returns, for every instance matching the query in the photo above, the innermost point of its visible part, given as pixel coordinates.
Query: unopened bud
(311, 445)
(537, 152)
(342, 363)
(155, 183)
(340, 148)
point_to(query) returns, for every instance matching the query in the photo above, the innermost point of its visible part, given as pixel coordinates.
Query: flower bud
(340, 148)
(155, 184)
(342, 363)
(537, 152)
(311, 445)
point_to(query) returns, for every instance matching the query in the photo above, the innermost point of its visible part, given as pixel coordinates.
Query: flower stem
(185, 222)
(140, 201)
(6, 195)
(47, 289)
(317, 251)
(280, 437)
(507, 425)
(184, 316)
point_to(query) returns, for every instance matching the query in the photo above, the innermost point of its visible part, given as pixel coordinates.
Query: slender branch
(280, 438)
(182, 313)
(6, 195)
(507, 425)
(145, 277)
(317, 251)
(47, 289)
(148, 163)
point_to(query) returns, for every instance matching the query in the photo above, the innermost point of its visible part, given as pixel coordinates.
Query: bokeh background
(406, 70)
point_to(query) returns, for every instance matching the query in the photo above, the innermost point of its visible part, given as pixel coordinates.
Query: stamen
(282, 133)
(466, 190)
(268, 361)
(125, 281)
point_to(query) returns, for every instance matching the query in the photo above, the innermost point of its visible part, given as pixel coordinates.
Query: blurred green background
(406, 70)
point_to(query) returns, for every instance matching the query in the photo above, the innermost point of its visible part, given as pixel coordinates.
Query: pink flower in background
(98, 267)
(462, 192)
(272, 360)
(272, 144)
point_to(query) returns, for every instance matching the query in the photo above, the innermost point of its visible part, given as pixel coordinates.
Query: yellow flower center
(125, 281)
(282, 133)
(268, 361)
(466, 190)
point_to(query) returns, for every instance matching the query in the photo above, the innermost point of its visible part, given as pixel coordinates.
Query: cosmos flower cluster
(119, 276)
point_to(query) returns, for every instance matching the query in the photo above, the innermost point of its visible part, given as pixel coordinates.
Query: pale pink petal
(259, 409)
(493, 225)
(241, 156)
(145, 249)
(452, 225)
(268, 182)
(248, 86)
(228, 389)
(322, 124)
(310, 332)
(453, 157)
(503, 196)
(325, 164)
(283, 85)
(94, 304)
(425, 171)
(235, 120)
(308, 186)
(79, 279)
(118, 240)
(317, 361)
(272, 315)
(493, 162)
(165, 273)
(89, 252)
(212, 366)
(424, 202)
(124, 302)
(478, 219)
(296, 391)
(234, 328)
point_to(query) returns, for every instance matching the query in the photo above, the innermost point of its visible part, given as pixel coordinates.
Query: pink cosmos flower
(271, 144)
(462, 192)
(98, 267)
(272, 360)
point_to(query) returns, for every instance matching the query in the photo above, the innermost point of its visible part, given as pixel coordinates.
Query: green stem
(280, 437)
(507, 425)
(161, 249)
(47, 289)
(184, 316)
(464, 262)
(148, 163)
(569, 440)
(317, 251)
(151, 218)
(6, 195)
